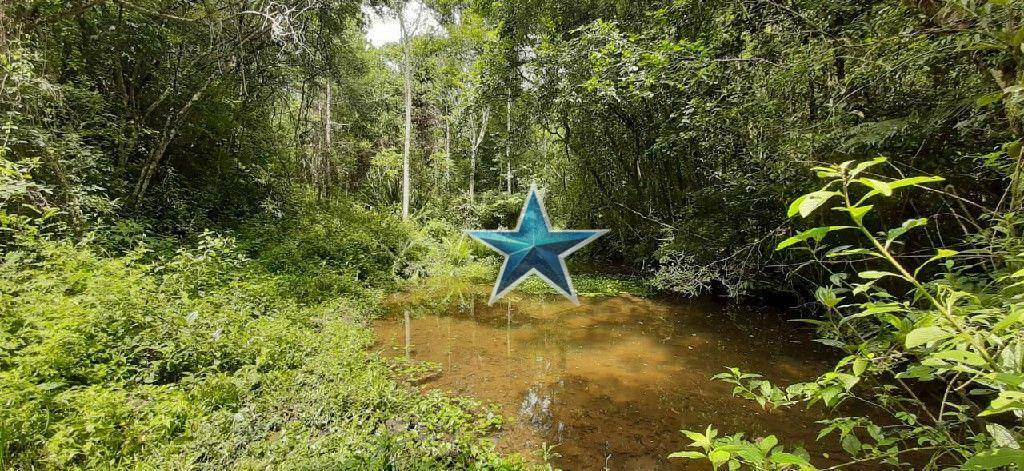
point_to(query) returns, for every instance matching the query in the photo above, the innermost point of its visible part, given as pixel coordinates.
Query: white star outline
(571, 294)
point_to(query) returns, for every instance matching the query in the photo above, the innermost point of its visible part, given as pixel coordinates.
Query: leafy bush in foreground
(194, 363)
(933, 344)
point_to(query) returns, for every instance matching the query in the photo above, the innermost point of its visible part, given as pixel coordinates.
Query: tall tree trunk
(325, 170)
(447, 151)
(475, 145)
(508, 143)
(472, 174)
(406, 55)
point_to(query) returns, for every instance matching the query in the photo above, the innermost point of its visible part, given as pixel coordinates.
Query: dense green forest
(204, 203)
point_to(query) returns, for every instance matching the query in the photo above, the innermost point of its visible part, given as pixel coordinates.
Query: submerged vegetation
(202, 204)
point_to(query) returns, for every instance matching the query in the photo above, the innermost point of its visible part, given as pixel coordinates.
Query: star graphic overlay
(533, 248)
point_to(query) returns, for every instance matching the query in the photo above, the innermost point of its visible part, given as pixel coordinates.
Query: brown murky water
(610, 382)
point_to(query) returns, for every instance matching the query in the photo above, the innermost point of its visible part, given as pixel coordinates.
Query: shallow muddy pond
(611, 382)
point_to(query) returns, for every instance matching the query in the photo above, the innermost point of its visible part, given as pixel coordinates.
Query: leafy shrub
(329, 249)
(932, 344)
(439, 249)
(195, 362)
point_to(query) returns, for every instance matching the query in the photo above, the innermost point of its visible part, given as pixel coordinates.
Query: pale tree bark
(508, 143)
(325, 169)
(407, 31)
(473, 148)
(447, 150)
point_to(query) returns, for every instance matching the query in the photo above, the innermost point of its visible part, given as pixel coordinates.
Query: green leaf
(859, 365)
(877, 185)
(997, 458)
(858, 212)
(914, 181)
(939, 255)
(875, 274)
(788, 458)
(1002, 436)
(851, 444)
(1012, 318)
(718, 457)
(942, 253)
(907, 225)
(847, 253)
(694, 455)
(767, 443)
(957, 356)
(806, 204)
(699, 439)
(866, 165)
(818, 233)
(988, 99)
(924, 335)
(1004, 402)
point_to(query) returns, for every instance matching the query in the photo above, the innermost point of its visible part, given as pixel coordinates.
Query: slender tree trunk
(325, 171)
(472, 174)
(508, 143)
(406, 55)
(475, 145)
(167, 135)
(447, 151)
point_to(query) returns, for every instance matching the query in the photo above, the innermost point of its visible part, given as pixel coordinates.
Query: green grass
(588, 285)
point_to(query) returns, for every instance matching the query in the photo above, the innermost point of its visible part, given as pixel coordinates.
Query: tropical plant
(932, 340)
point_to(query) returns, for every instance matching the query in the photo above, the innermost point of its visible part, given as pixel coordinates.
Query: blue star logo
(533, 248)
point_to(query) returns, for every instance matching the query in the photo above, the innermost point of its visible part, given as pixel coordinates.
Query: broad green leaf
(767, 443)
(699, 439)
(825, 172)
(877, 185)
(924, 335)
(717, 457)
(1017, 274)
(1004, 402)
(851, 444)
(859, 365)
(872, 309)
(941, 254)
(957, 356)
(1002, 436)
(1012, 318)
(997, 458)
(806, 204)
(827, 296)
(866, 165)
(858, 212)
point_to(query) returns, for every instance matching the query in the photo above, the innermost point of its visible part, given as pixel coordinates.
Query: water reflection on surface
(612, 381)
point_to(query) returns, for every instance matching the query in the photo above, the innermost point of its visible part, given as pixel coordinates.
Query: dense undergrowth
(207, 359)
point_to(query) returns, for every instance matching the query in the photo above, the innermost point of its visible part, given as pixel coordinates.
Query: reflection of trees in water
(610, 382)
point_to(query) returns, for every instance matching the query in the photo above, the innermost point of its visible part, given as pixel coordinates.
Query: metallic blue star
(533, 248)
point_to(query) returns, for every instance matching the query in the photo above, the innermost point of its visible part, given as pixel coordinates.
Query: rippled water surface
(610, 382)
